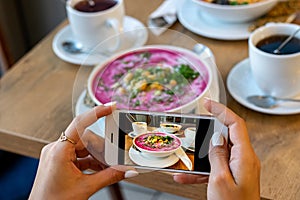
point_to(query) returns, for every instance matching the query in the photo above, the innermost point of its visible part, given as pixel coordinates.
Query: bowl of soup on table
(151, 78)
(157, 144)
(170, 127)
(234, 11)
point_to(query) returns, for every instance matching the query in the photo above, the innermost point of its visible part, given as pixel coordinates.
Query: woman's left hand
(61, 164)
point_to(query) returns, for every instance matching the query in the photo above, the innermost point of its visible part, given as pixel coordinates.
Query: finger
(237, 127)
(81, 122)
(89, 163)
(219, 159)
(59, 153)
(82, 152)
(108, 176)
(91, 143)
(190, 179)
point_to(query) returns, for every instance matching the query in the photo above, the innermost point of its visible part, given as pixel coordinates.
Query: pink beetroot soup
(153, 79)
(157, 142)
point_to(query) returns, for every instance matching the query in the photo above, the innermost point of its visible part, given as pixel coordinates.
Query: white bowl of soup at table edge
(157, 144)
(101, 82)
(170, 127)
(235, 13)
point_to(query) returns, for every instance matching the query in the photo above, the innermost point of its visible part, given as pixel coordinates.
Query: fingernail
(217, 139)
(207, 99)
(131, 173)
(112, 104)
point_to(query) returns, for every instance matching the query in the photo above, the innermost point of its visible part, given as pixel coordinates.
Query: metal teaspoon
(268, 101)
(76, 48)
(276, 51)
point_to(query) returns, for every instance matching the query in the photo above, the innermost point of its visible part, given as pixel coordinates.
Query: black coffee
(271, 43)
(100, 5)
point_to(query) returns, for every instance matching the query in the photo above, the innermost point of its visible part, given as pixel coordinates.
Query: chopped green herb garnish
(137, 103)
(187, 71)
(145, 55)
(117, 76)
(170, 92)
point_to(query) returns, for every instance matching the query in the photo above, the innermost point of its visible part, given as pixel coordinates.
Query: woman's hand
(61, 164)
(235, 168)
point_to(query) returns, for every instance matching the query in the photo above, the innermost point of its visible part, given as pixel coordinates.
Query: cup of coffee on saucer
(189, 140)
(93, 22)
(277, 73)
(139, 127)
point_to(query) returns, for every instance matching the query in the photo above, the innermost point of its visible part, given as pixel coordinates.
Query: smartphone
(193, 132)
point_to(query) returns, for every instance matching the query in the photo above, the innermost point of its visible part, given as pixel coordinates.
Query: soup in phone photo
(158, 147)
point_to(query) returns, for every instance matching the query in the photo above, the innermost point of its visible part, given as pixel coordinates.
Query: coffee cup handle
(114, 24)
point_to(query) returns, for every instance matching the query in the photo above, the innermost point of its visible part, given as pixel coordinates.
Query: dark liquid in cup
(271, 43)
(100, 5)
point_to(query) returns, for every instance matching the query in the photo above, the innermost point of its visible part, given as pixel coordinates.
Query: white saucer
(191, 18)
(185, 144)
(240, 84)
(98, 127)
(146, 161)
(134, 35)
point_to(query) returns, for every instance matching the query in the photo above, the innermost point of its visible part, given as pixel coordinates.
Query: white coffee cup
(139, 127)
(190, 134)
(94, 28)
(276, 75)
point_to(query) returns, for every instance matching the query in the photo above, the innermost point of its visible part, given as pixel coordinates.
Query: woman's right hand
(235, 168)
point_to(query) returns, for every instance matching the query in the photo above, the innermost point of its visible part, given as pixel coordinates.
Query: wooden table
(36, 104)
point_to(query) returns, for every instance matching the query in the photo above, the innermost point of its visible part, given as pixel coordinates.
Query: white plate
(134, 35)
(98, 127)
(192, 19)
(240, 84)
(146, 161)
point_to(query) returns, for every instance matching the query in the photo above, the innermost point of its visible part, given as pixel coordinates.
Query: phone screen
(194, 133)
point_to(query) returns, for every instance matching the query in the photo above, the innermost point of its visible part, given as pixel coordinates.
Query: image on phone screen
(161, 132)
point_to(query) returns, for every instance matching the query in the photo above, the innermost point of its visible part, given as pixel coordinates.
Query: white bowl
(184, 104)
(156, 152)
(170, 127)
(235, 13)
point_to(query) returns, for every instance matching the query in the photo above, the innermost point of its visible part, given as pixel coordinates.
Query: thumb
(219, 156)
(109, 176)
